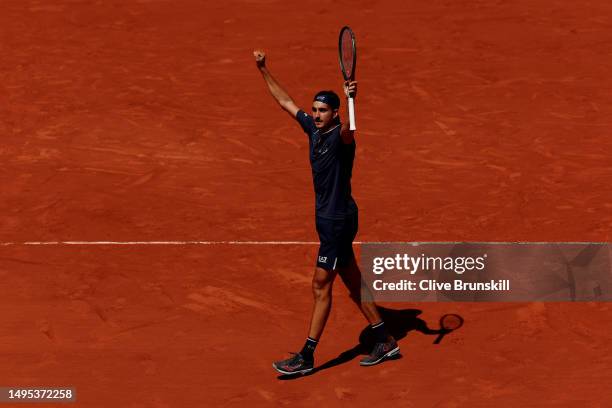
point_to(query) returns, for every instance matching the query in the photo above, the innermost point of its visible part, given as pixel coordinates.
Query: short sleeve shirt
(331, 161)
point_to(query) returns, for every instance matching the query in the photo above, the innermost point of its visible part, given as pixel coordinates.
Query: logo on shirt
(320, 147)
(323, 259)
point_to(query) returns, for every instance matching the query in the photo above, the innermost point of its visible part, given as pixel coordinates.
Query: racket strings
(347, 52)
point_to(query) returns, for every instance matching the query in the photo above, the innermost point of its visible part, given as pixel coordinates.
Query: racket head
(347, 48)
(449, 322)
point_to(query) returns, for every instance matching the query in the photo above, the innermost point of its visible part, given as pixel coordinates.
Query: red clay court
(147, 121)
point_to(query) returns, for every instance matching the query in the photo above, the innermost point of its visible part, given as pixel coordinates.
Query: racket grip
(351, 111)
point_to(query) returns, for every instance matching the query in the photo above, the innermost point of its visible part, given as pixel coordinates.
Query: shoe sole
(391, 353)
(305, 371)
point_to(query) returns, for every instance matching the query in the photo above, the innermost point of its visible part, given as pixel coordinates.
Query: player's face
(323, 114)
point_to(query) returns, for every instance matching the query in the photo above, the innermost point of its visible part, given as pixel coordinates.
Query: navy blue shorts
(336, 238)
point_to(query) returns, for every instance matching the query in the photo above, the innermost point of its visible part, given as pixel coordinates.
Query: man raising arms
(331, 152)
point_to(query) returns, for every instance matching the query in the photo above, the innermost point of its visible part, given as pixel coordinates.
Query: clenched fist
(260, 58)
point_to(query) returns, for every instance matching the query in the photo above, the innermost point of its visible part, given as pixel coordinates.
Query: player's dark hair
(328, 97)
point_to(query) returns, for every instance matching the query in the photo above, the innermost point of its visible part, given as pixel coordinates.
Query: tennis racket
(348, 59)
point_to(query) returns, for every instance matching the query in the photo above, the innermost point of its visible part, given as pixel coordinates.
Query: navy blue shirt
(332, 168)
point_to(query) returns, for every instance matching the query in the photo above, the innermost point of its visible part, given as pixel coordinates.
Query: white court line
(162, 243)
(65, 243)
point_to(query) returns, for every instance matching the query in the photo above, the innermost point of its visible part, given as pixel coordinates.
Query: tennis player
(332, 151)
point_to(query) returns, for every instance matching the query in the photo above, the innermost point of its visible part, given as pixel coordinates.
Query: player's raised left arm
(347, 135)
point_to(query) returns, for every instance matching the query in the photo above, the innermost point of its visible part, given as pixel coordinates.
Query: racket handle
(351, 110)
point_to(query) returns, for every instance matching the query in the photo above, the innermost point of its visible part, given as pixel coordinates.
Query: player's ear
(335, 113)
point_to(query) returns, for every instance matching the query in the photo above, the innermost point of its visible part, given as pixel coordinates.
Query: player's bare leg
(322, 283)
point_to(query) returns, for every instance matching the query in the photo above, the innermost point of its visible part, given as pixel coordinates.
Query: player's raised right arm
(277, 91)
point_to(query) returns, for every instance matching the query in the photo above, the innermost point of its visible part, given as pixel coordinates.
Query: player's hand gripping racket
(348, 59)
(448, 323)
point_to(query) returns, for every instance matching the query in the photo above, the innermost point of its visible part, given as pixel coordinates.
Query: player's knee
(321, 289)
